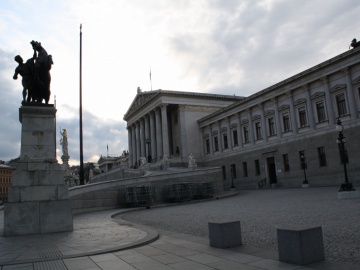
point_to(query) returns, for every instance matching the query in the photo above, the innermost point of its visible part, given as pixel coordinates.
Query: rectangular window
(302, 117)
(207, 143)
(246, 134)
(286, 162)
(257, 167)
(322, 157)
(235, 137)
(341, 104)
(216, 144)
(233, 170)
(271, 126)
(245, 169)
(225, 141)
(320, 110)
(223, 172)
(286, 122)
(258, 130)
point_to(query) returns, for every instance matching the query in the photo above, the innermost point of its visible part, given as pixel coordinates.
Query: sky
(211, 46)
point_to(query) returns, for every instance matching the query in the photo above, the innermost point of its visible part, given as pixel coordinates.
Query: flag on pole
(150, 80)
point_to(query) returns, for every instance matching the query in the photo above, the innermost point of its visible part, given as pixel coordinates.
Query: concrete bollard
(300, 246)
(225, 234)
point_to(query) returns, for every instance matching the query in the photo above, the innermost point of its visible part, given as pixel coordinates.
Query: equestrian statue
(35, 75)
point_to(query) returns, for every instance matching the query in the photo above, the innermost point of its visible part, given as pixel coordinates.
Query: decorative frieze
(193, 108)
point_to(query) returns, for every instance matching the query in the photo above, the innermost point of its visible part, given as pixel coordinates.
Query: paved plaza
(175, 237)
(261, 211)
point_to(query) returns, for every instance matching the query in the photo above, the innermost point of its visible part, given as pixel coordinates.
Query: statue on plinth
(354, 43)
(192, 162)
(35, 75)
(70, 179)
(143, 161)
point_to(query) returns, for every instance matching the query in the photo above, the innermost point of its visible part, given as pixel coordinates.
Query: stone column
(147, 136)
(329, 107)
(133, 144)
(130, 145)
(165, 131)
(138, 153)
(251, 127)
(277, 118)
(309, 107)
(263, 122)
(220, 139)
(201, 140)
(350, 94)
(159, 152)
(292, 113)
(240, 137)
(153, 135)
(142, 137)
(183, 135)
(229, 133)
(211, 141)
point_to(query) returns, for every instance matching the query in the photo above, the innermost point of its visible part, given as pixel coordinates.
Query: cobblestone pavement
(261, 211)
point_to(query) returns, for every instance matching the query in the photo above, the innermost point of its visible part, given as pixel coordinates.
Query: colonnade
(148, 136)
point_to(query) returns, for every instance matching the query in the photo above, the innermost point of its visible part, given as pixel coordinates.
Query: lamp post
(341, 142)
(232, 178)
(303, 166)
(148, 141)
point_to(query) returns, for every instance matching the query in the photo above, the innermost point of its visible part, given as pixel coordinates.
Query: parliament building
(280, 136)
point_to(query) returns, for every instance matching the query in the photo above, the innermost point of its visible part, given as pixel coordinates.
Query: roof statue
(354, 43)
(35, 74)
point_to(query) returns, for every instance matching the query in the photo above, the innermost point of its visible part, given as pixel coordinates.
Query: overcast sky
(223, 47)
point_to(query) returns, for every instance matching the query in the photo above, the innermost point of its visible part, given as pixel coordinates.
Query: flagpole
(81, 174)
(150, 80)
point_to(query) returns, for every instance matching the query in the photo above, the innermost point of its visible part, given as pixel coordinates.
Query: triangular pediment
(300, 101)
(140, 99)
(356, 80)
(318, 95)
(338, 87)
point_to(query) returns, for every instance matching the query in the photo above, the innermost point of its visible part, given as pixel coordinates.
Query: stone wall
(110, 194)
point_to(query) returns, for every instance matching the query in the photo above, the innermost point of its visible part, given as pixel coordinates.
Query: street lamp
(303, 166)
(232, 177)
(148, 141)
(341, 142)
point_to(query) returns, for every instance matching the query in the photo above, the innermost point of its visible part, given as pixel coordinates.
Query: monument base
(38, 200)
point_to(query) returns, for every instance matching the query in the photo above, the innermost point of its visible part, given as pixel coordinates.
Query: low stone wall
(110, 194)
(118, 173)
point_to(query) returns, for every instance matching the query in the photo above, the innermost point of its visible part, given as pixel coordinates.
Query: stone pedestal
(38, 200)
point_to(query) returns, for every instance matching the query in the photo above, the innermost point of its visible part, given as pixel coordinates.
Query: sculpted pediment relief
(140, 99)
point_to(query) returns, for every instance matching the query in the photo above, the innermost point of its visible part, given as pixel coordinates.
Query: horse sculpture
(40, 86)
(354, 43)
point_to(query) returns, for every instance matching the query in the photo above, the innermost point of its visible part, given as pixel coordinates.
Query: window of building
(245, 170)
(235, 137)
(286, 162)
(258, 131)
(207, 143)
(286, 122)
(225, 141)
(233, 170)
(216, 144)
(341, 104)
(223, 172)
(246, 134)
(320, 110)
(322, 157)
(271, 126)
(257, 167)
(302, 117)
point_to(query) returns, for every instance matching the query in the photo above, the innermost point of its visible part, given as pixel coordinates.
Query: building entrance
(271, 169)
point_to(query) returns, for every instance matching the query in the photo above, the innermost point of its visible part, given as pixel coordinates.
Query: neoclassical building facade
(164, 123)
(283, 134)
